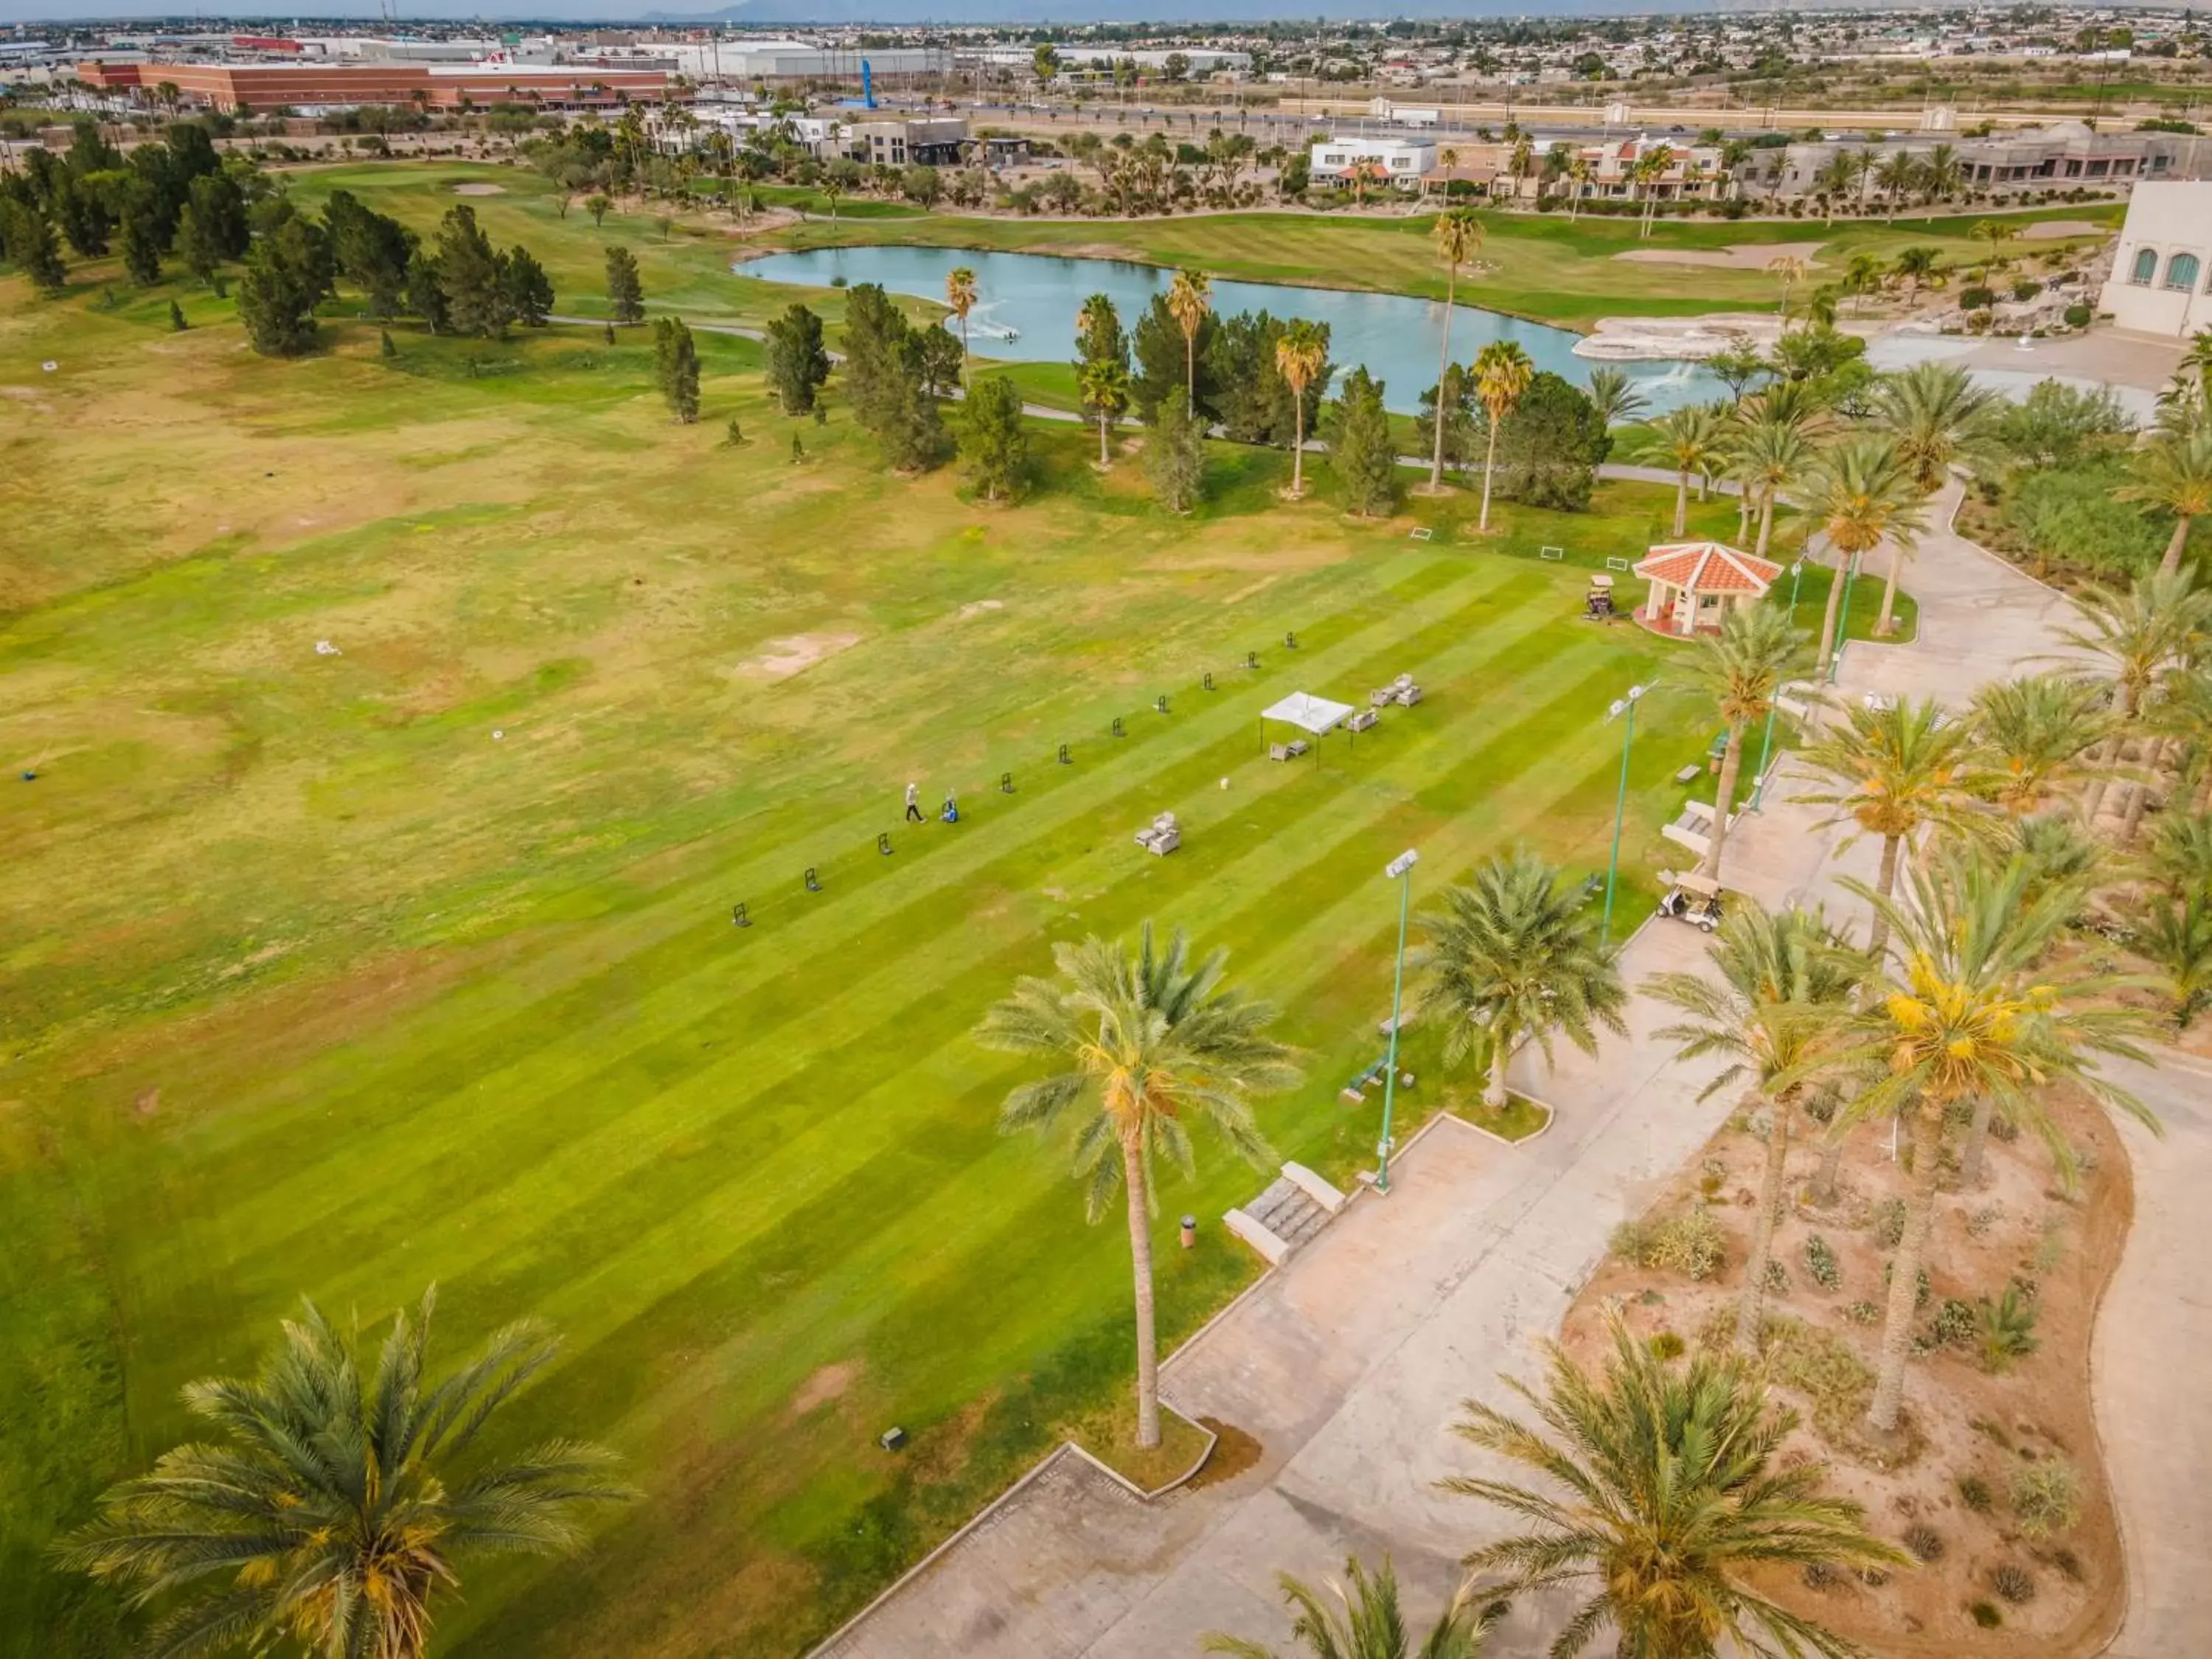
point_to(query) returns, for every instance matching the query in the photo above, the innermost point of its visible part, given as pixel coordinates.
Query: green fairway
(339, 973)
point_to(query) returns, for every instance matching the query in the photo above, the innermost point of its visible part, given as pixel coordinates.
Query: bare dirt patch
(978, 607)
(789, 655)
(1973, 1433)
(827, 1383)
(1741, 256)
(480, 190)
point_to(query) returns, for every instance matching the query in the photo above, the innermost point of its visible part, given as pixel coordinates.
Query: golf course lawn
(340, 973)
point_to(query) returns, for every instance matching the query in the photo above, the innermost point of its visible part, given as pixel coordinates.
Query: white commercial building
(1397, 159)
(2162, 280)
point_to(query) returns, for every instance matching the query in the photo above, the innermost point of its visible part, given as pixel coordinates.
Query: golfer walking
(914, 803)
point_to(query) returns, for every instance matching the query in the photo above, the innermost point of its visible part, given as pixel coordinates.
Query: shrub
(2046, 1499)
(1777, 1277)
(1666, 1345)
(2068, 1563)
(2078, 316)
(1873, 1577)
(1821, 1263)
(1986, 1615)
(1691, 1245)
(1824, 1367)
(2006, 1328)
(1822, 1575)
(2014, 1583)
(1980, 1221)
(1887, 1223)
(1974, 1492)
(1924, 1542)
(1955, 1324)
(2026, 287)
(1862, 1313)
(1975, 299)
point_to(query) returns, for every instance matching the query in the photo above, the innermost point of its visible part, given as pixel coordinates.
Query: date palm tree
(1579, 172)
(2175, 935)
(1776, 971)
(1299, 356)
(1861, 493)
(1966, 1006)
(1616, 398)
(2174, 475)
(1893, 176)
(1742, 669)
(1768, 457)
(1659, 1490)
(1458, 236)
(1190, 298)
(1515, 954)
(1104, 385)
(1502, 374)
(2037, 732)
(1938, 418)
(1366, 1621)
(1896, 770)
(1693, 439)
(2140, 633)
(960, 296)
(1146, 1044)
(343, 1497)
(1789, 269)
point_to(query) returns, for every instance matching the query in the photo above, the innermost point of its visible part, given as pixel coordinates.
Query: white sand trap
(479, 190)
(977, 607)
(787, 657)
(2051, 230)
(1743, 256)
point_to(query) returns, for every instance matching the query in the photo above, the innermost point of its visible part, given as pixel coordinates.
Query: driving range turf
(341, 973)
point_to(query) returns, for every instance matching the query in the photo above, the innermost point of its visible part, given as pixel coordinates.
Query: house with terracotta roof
(1694, 586)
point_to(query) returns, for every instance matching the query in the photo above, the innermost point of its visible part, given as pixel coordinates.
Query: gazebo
(1694, 586)
(1310, 714)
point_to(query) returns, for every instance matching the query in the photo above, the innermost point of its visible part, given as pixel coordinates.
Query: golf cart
(1695, 899)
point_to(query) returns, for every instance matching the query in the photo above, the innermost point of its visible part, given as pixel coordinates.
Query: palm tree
(1742, 670)
(1190, 297)
(1995, 231)
(1938, 417)
(1768, 457)
(1893, 176)
(1692, 438)
(1370, 1624)
(1791, 270)
(336, 1508)
(1104, 385)
(1458, 236)
(2180, 856)
(1776, 969)
(2175, 476)
(1502, 374)
(1941, 173)
(2036, 733)
(1513, 955)
(1660, 1489)
(1860, 492)
(1615, 396)
(960, 295)
(1968, 1008)
(1580, 172)
(1147, 1042)
(1299, 356)
(2175, 937)
(1913, 266)
(2139, 634)
(1897, 769)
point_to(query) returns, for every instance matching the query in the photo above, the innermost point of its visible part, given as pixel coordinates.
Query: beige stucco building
(2162, 280)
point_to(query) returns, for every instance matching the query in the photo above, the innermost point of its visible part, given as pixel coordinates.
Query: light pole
(1400, 870)
(1796, 581)
(1622, 706)
(1767, 743)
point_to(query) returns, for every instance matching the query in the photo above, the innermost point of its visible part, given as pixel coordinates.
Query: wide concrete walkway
(1349, 1365)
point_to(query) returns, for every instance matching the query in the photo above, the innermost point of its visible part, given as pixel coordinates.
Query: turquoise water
(1029, 302)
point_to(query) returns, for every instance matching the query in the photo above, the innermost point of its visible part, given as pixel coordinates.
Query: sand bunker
(825, 1385)
(479, 190)
(2051, 230)
(978, 607)
(1743, 256)
(786, 657)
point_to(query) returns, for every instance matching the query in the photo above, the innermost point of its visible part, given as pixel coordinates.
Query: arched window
(2181, 271)
(2146, 267)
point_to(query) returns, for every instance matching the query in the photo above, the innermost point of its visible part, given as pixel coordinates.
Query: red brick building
(250, 87)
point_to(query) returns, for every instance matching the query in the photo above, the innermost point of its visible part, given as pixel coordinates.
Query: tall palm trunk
(1765, 520)
(1885, 883)
(1489, 466)
(2170, 560)
(2139, 792)
(1443, 368)
(1501, 1054)
(1104, 459)
(1751, 1304)
(1190, 371)
(1731, 764)
(1140, 1257)
(1298, 444)
(963, 349)
(1828, 620)
(1977, 1140)
(1904, 1267)
(1681, 501)
(1832, 1164)
(1889, 623)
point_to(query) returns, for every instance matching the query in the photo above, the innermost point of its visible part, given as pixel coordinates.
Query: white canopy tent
(1307, 712)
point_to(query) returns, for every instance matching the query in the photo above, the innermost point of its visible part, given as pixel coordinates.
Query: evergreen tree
(142, 235)
(798, 450)
(1550, 445)
(383, 343)
(287, 275)
(216, 200)
(1175, 456)
(875, 330)
(1360, 450)
(177, 324)
(993, 443)
(81, 211)
(798, 365)
(940, 359)
(911, 426)
(426, 291)
(1462, 422)
(470, 273)
(370, 250)
(1160, 349)
(1252, 401)
(676, 367)
(196, 245)
(625, 292)
(32, 247)
(89, 152)
(528, 289)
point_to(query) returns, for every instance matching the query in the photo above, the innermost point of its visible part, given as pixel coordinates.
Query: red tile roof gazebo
(1694, 586)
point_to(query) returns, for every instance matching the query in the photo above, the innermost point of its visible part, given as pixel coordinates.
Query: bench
(1284, 751)
(1362, 721)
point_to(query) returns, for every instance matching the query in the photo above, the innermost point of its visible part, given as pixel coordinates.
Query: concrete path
(1349, 1365)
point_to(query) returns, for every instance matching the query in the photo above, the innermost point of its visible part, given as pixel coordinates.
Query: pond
(1027, 309)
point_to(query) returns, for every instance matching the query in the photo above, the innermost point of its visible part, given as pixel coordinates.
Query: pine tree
(385, 344)
(1175, 456)
(911, 427)
(426, 291)
(286, 276)
(1360, 447)
(177, 324)
(609, 331)
(676, 367)
(798, 365)
(993, 443)
(32, 245)
(370, 250)
(470, 273)
(625, 291)
(528, 289)
(798, 450)
(142, 237)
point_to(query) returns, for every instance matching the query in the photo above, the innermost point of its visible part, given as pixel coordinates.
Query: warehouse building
(249, 87)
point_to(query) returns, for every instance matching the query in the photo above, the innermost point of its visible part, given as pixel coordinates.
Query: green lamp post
(1400, 870)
